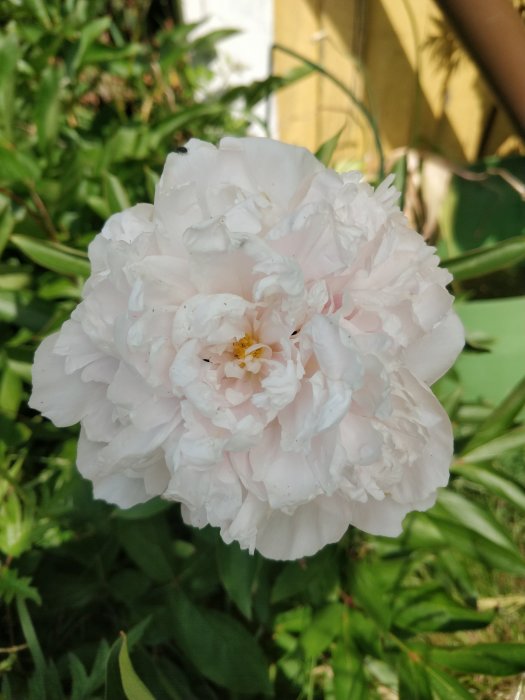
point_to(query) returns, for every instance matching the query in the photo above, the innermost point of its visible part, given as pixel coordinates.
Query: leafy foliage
(101, 603)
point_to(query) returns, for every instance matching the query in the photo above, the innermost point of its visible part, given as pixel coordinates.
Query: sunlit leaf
(53, 256)
(133, 687)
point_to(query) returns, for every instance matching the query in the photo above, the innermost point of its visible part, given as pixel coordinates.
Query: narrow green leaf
(496, 482)
(38, 7)
(484, 261)
(10, 393)
(53, 256)
(113, 686)
(476, 518)
(7, 222)
(512, 440)
(500, 419)
(116, 195)
(359, 104)
(501, 659)
(88, 35)
(47, 106)
(30, 636)
(8, 60)
(16, 166)
(349, 679)
(134, 688)
(414, 683)
(447, 687)
(476, 547)
(326, 151)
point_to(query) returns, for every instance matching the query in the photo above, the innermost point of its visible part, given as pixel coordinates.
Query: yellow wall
(381, 50)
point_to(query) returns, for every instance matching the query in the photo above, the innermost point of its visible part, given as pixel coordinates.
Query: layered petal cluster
(258, 345)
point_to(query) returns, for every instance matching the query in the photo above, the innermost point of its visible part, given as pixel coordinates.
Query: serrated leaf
(134, 688)
(485, 261)
(219, 647)
(53, 256)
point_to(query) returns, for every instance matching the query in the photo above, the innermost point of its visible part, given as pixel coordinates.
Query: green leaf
(10, 393)
(359, 104)
(440, 614)
(324, 627)
(7, 222)
(496, 482)
(326, 151)
(16, 166)
(113, 689)
(143, 541)
(414, 683)
(259, 90)
(88, 35)
(14, 586)
(143, 510)
(500, 419)
(502, 368)
(30, 636)
(512, 440)
(314, 577)
(349, 679)
(484, 261)
(462, 510)
(38, 8)
(134, 688)
(53, 256)
(474, 546)
(8, 60)
(24, 310)
(116, 195)
(447, 687)
(237, 570)
(47, 106)
(501, 659)
(219, 647)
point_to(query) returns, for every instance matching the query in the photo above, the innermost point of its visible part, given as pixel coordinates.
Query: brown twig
(44, 214)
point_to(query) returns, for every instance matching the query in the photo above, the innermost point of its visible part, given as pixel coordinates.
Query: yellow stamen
(242, 345)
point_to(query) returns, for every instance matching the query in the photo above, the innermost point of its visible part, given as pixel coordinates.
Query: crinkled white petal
(259, 345)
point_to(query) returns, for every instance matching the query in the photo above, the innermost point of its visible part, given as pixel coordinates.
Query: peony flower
(259, 345)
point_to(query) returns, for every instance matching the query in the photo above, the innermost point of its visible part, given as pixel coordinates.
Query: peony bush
(259, 345)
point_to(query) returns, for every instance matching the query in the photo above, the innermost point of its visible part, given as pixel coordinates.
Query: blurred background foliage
(100, 603)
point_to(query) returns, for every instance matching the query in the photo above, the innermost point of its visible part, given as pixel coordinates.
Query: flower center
(241, 348)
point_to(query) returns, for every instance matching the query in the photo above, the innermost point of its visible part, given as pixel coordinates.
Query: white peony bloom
(259, 346)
